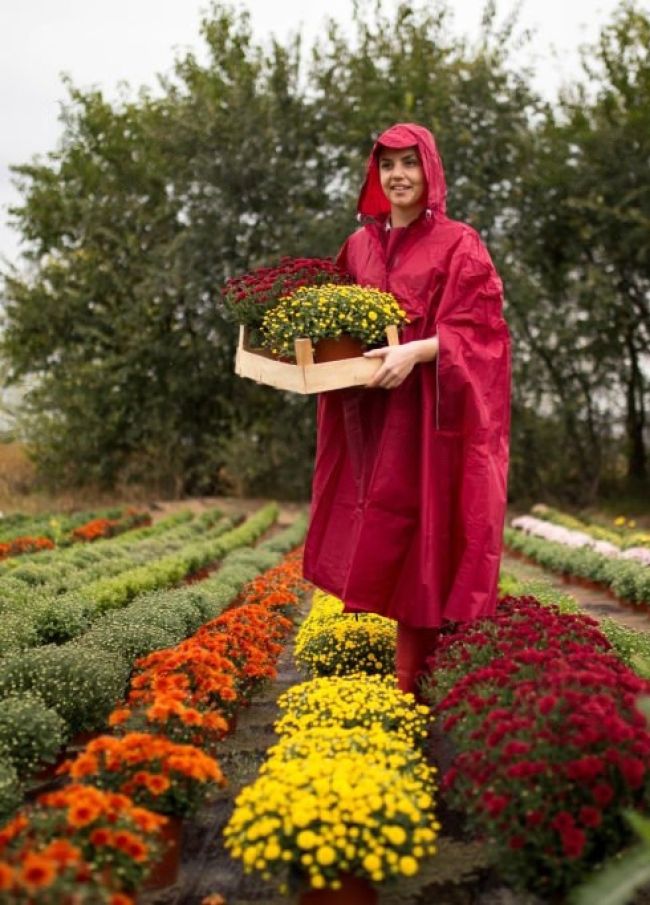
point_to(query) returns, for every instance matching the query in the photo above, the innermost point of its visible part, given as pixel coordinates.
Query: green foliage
(144, 209)
(286, 540)
(628, 579)
(10, 790)
(31, 734)
(18, 631)
(131, 638)
(80, 684)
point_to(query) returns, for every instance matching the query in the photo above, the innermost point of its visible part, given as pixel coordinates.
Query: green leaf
(617, 882)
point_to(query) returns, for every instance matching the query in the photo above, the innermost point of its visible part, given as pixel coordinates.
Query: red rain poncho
(409, 489)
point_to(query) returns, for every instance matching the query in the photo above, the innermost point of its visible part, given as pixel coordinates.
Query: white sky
(104, 42)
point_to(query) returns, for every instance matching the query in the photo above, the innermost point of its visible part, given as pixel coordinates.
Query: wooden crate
(305, 376)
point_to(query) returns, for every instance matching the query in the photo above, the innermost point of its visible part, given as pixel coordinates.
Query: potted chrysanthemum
(247, 297)
(79, 843)
(336, 809)
(340, 320)
(355, 701)
(332, 643)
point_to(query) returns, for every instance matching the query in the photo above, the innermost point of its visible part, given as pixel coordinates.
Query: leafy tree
(146, 206)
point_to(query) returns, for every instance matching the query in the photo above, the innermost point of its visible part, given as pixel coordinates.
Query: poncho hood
(372, 201)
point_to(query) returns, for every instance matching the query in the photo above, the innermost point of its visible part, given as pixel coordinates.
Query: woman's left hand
(399, 361)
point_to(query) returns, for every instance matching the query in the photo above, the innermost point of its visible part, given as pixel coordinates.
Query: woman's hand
(399, 361)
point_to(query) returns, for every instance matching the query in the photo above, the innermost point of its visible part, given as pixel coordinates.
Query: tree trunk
(637, 461)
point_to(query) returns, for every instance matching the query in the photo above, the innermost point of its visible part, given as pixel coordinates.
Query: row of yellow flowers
(346, 791)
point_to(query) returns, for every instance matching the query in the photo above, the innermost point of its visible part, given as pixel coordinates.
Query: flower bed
(570, 537)
(170, 775)
(628, 579)
(550, 744)
(20, 546)
(630, 646)
(63, 606)
(623, 532)
(77, 684)
(99, 528)
(63, 531)
(331, 643)
(335, 797)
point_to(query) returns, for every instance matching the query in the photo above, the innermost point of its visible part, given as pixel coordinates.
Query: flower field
(124, 666)
(618, 558)
(135, 663)
(23, 534)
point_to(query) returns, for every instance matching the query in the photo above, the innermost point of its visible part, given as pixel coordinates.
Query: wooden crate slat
(258, 365)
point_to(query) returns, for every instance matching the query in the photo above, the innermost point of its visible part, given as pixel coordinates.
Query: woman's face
(402, 178)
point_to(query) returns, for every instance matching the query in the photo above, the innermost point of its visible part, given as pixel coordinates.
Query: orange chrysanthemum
(37, 871)
(7, 875)
(62, 852)
(80, 815)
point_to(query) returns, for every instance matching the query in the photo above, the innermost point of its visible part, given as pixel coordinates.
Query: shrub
(353, 701)
(59, 620)
(31, 734)
(81, 684)
(130, 638)
(10, 791)
(552, 749)
(17, 632)
(330, 643)
(286, 540)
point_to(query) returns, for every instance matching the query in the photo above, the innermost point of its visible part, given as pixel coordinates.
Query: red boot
(414, 645)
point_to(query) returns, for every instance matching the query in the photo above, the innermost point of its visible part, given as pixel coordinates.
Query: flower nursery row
(541, 703)
(101, 837)
(572, 538)
(63, 569)
(628, 579)
(551, 746)
(345, 800)
(52, 693)
(59, 600)
(57, 527)
(89, 530)
(623, 532)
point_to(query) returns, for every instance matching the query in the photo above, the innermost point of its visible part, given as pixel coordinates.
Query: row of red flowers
(101, 835)
(109, 527)
(90, 531)
(551, 746)
(26, 544)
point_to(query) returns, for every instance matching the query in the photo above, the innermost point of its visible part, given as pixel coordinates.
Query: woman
(409, 490)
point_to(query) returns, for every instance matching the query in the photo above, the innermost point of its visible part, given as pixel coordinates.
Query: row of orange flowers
(89, 531)
(95, 841)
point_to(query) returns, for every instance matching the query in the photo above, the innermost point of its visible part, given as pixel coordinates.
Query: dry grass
(20, 491)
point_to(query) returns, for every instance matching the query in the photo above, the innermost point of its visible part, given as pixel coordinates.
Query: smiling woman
(409, 488)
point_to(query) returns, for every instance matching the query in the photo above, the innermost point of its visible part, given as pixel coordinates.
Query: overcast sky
(102, 43)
